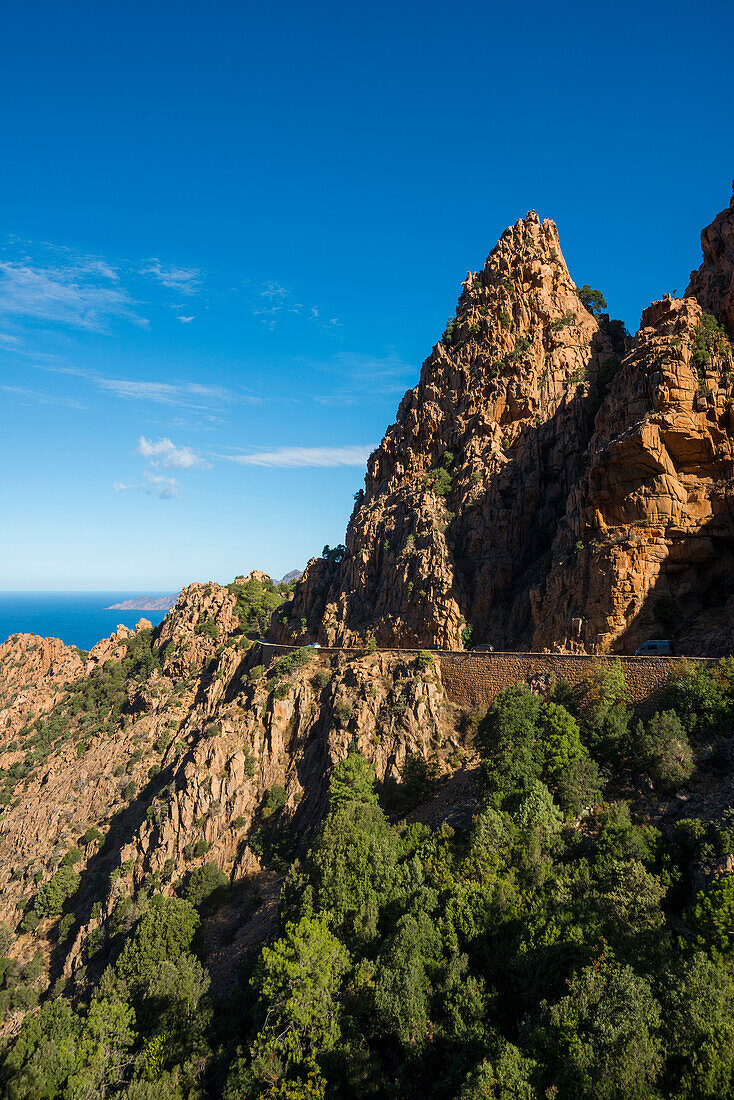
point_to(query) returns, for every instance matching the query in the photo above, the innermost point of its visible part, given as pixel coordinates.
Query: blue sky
(230, 233)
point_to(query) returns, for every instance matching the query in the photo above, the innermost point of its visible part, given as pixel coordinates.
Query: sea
(78, 618)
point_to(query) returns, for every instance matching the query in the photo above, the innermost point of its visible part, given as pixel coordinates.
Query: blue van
(656, 647)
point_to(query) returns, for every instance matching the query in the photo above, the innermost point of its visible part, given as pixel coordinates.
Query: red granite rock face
(544, 484)
(647, 543)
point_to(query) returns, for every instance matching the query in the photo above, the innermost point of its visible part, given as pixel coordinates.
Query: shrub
(249, 764)
(90, 835)
(52, 895)
(256, 673)
(424, 659)
(71, 858)
(208, 627)
(608, 371)
(154, 771)
(418, 781)
(343, 712)
(709, 339)
(322, 678)
(275, 801)
(664, 750)
(439, 479)
(204, 883)
(7, 936)
(467, 635)
(201, 848)
(293, 661)
(281, 691)
(701, 701)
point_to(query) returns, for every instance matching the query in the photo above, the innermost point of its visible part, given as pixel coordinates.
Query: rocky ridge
(549, 483)
(197, 754)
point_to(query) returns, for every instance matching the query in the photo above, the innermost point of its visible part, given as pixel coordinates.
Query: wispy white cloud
(292, 457)
(83, 293)
(154, 485)
(359, 376)
(277, 299)
(36, 397)
(185, 320)
(184, 394)
(186, 280)
(165, 453)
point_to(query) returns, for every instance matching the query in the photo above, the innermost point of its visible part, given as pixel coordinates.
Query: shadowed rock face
(543, 483)
(510, 393)
(647, 543)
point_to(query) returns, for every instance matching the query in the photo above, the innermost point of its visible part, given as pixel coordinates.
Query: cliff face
(166, 750)
(545, 484)
(646, 547)
(464, 494)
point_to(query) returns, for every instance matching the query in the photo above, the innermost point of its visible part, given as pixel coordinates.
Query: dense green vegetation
(256, 602)
(555, 947)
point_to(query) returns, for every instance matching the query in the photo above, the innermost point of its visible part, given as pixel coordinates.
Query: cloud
(166, 488)
(278, 300)
(186, 394)
(83, 292)
(38, 398)
(186, 280)
(361, 376)
(165, 453)
(292, 457)
(186, 320)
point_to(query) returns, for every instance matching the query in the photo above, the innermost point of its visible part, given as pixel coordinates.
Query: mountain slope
(547, 483)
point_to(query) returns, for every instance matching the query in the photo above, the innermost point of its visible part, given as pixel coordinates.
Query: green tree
(711, 917)
(205, 884)
(698, 1008)
(45, 1055)
(299, 980)
(603, 1037)
(508, 738)
(507, 1076)
(355, 862)
(104, 1049)
(163, 933)
(352, 780)
(592, 300)
(664, 750)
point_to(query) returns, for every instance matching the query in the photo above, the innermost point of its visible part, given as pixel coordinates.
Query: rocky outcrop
(464, 494)
(140, 774)
(545, 485)
(646, 547)
(202, 618)
(713, 284)
(34, 672)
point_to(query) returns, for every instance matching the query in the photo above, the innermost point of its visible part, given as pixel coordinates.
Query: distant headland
(145, 603)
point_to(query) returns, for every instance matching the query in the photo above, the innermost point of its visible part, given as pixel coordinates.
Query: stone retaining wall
(474, 679)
